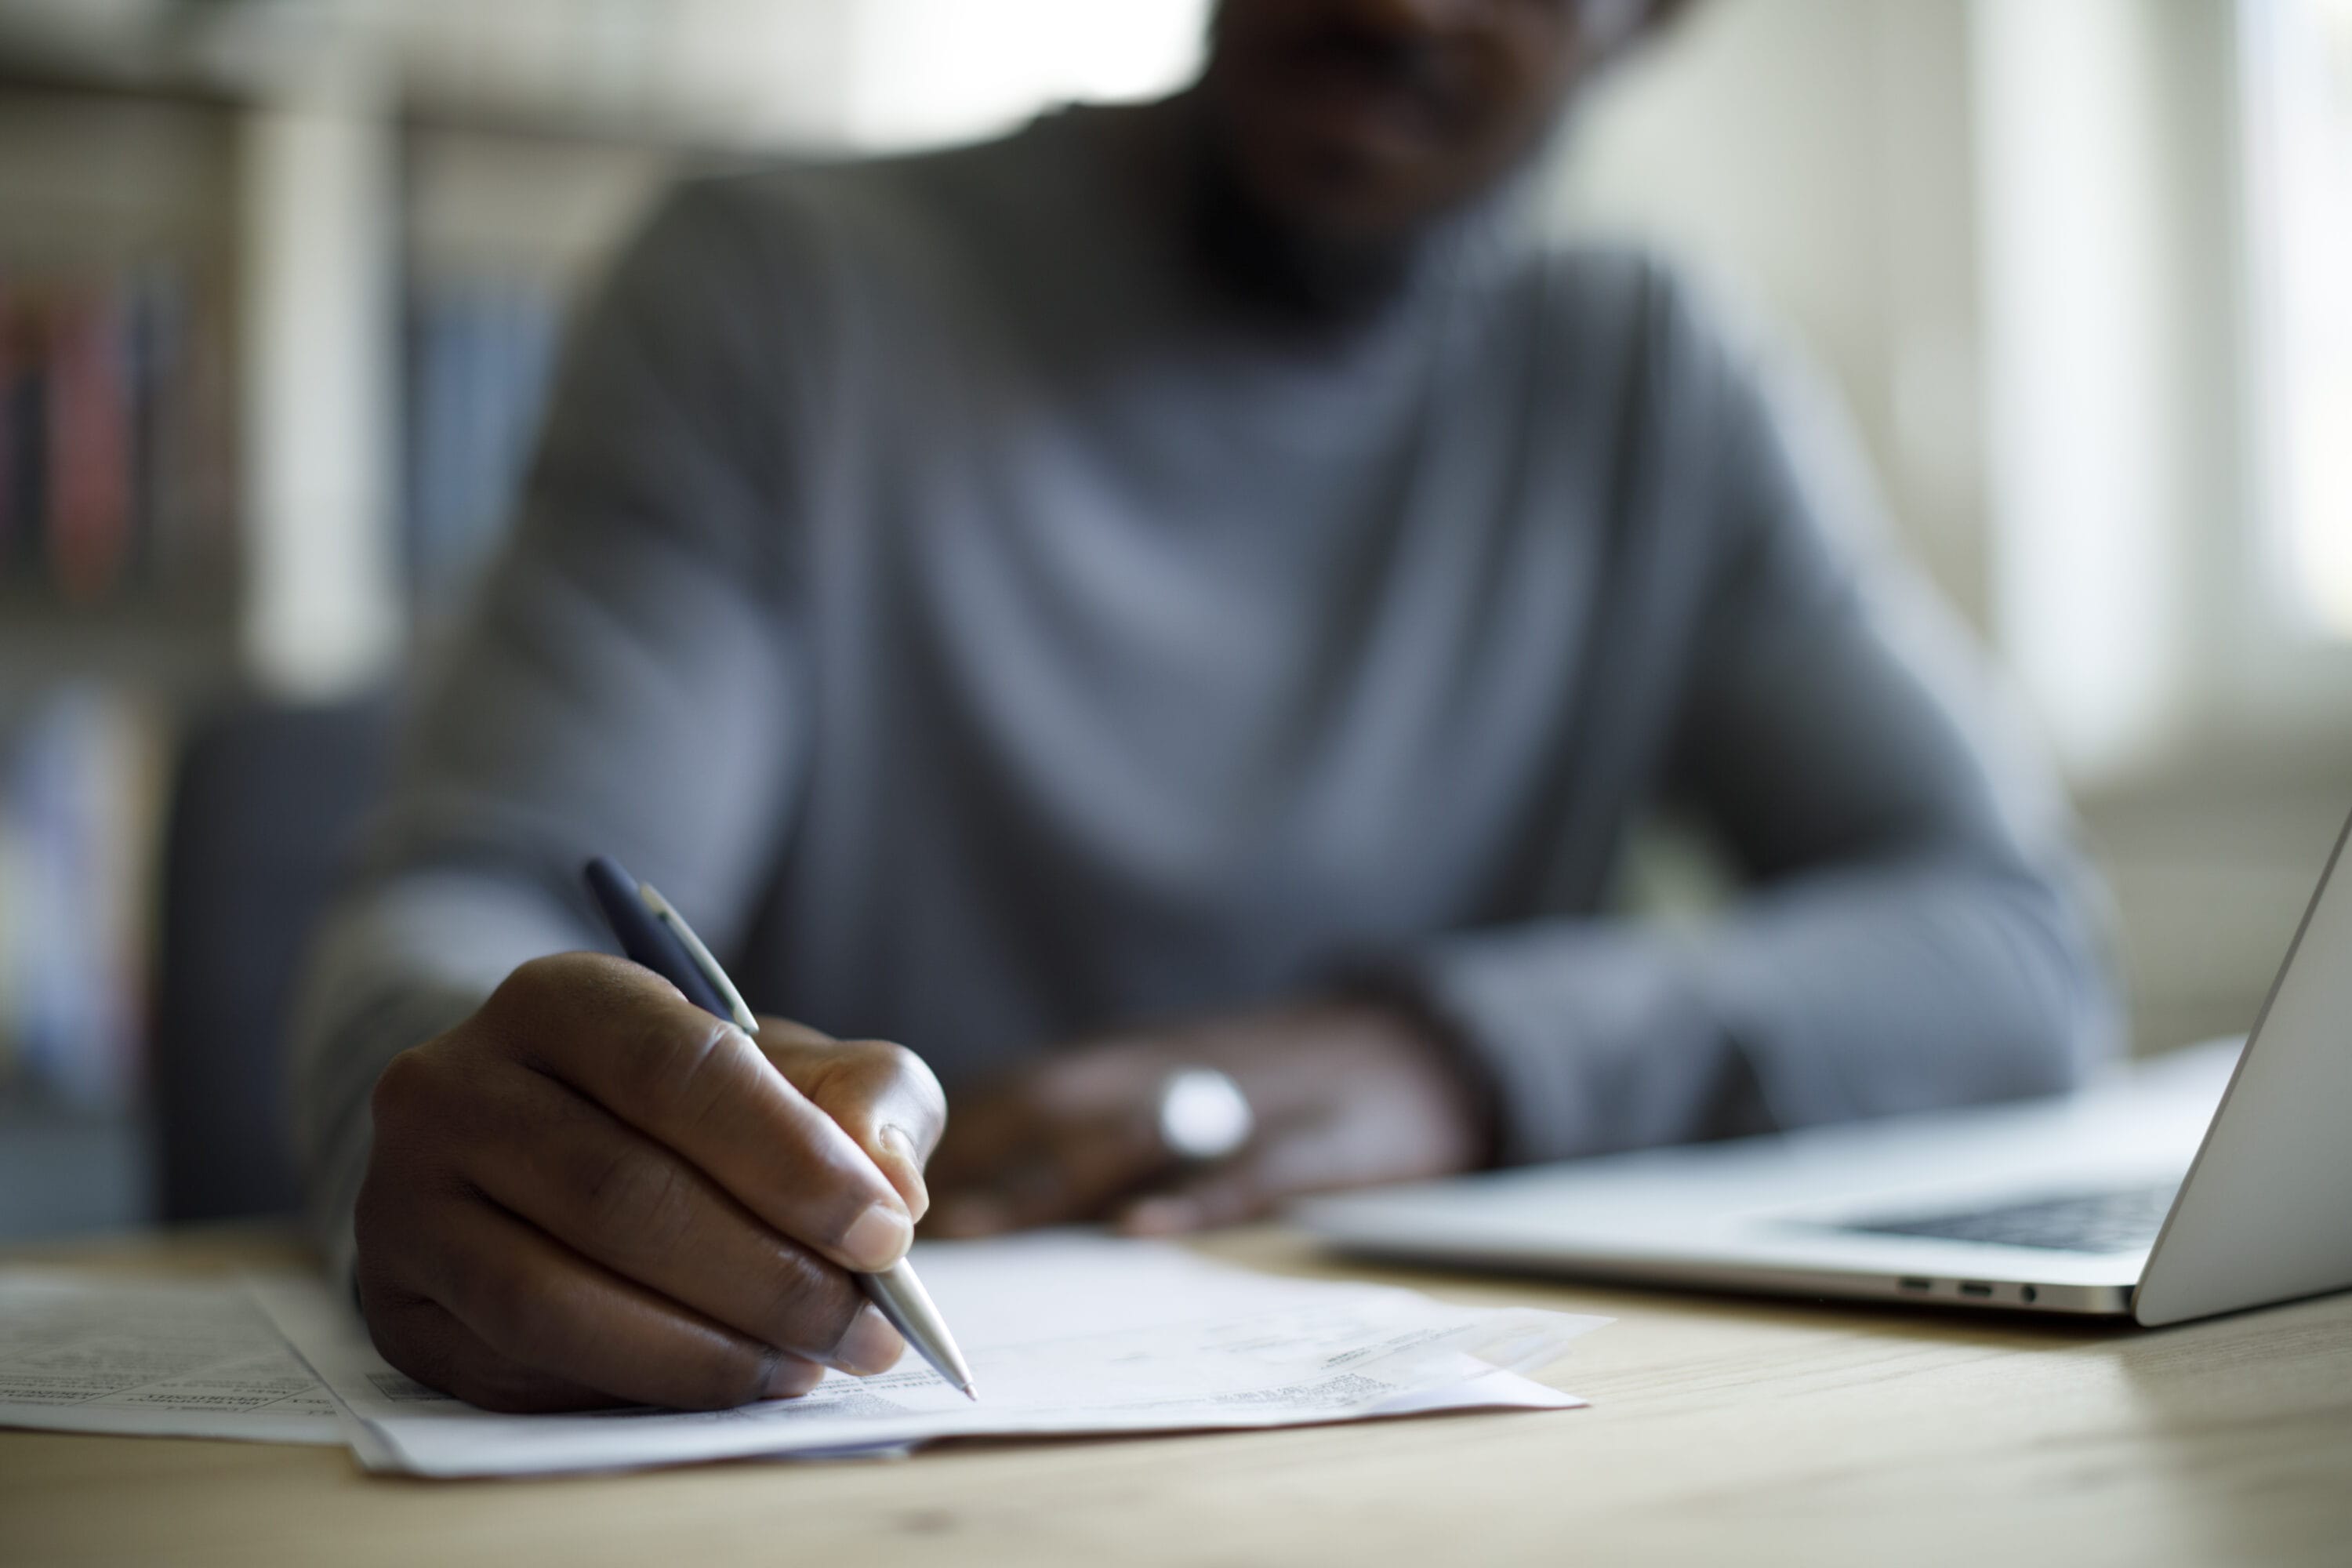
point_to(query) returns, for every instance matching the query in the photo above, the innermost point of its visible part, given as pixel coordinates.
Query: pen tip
(970, 1393)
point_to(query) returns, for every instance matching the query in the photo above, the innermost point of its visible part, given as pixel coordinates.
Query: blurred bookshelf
(118, 596)
(503, 224)
(282, 283)
(281, 289)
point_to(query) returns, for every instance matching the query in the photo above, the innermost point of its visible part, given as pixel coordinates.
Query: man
(1182, 586)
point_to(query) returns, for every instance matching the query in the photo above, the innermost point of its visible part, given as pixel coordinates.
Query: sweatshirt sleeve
(1913, 928)
(625, 685)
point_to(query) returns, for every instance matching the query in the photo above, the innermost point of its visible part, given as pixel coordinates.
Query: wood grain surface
(1723, 1430)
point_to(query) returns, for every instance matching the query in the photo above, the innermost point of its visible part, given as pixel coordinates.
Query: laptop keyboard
(2119, 1221)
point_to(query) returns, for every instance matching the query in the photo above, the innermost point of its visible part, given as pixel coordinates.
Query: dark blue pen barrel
(644, 939)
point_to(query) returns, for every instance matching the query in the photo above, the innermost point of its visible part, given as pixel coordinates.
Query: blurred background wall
(280, 281)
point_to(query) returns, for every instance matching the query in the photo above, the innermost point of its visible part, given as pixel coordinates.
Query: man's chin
(1341, 198)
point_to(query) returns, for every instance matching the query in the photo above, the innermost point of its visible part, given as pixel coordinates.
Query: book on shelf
(82, 781)
(115, 401)
(479, 349)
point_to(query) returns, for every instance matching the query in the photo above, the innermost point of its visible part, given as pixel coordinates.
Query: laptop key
(2117, 1221)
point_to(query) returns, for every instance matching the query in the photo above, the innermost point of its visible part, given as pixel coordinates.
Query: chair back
(267, 803)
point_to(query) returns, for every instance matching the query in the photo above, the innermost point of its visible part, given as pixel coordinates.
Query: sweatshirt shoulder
(831, 200)
(767, 211)
(1652, 319)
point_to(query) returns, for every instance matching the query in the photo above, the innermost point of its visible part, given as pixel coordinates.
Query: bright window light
(2298, 97)
(927, 72)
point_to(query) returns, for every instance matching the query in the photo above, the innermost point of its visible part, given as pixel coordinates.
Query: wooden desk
(1722, 1431)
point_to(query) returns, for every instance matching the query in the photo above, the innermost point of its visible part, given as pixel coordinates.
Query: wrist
(1394, 1011)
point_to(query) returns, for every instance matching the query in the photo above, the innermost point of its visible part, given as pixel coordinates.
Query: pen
(656, 935)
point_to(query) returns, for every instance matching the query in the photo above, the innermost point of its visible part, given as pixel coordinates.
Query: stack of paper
(1064, 1335)
(166, 1360)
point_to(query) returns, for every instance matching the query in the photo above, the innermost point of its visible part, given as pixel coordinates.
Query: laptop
(2209, 1181)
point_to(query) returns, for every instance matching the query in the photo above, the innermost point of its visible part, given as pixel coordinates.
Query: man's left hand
(1341, 1094)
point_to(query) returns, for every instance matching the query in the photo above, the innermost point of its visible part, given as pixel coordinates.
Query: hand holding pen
(657, 936)
(589, 1192)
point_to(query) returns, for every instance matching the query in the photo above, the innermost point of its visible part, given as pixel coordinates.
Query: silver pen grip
(900, 1297)
(895, 1291)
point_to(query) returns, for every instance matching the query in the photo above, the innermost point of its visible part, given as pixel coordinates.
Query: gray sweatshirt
(988, 628)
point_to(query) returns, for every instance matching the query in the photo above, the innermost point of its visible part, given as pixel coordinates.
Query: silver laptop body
(2139, 1197)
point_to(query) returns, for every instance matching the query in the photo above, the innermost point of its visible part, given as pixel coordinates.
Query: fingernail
(878, 1238)
(792, 1377)
(895, 1138)
(871, 1345)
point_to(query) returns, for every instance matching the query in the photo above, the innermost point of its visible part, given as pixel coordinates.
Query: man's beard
(1277, 262)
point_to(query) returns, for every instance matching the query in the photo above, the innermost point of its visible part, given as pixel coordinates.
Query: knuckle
(400, 1218)
(405, 1085)
(403, 1341)
(913, 1075)
(532, 1006)
(524, 991)
(535, 979)
(424, 1110)
(502, 1305)
(379, 1305)
(376, 1231)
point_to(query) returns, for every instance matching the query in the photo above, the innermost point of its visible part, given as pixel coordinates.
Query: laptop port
(1975, 1288)
(1911, 1283)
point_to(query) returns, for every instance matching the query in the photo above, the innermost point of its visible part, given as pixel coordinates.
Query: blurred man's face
(1361, 120)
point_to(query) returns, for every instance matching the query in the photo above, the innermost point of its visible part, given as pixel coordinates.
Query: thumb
(882, 1095)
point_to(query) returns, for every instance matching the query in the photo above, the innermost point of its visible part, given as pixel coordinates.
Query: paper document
(1065, 1333)
(83, 1353)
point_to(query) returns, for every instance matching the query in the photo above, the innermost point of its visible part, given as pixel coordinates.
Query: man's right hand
(592, 1192)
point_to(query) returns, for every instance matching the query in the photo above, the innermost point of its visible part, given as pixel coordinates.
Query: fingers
(1062, 1142)
(554, 1324)
(1038, 1163)
(425, 1340)
(1226, 1198)
(618, 1198)
(881, 1094)
(1068, 1175)
(627, 1039)
(985, 1130)
(1283, 1163)
(591, 1190)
